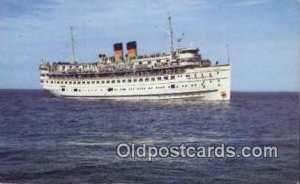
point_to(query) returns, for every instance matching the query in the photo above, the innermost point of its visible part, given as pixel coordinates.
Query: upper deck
(184, 58)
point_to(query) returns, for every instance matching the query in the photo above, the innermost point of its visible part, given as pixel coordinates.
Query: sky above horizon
(263, 35)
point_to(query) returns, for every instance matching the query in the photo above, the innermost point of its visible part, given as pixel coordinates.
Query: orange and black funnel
(118, 51)
(132, 50)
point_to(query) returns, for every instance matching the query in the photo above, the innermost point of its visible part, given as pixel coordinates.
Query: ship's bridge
(187, 53)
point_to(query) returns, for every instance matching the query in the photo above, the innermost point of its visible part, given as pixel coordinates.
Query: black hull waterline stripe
(167, 94)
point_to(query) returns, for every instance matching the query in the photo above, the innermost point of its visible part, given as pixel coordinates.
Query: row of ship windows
(130, 89)
(77, 66)
(119, 81)
(93, 82)
(88, 82)
(112, 81)
(91, 66)
(188, 76)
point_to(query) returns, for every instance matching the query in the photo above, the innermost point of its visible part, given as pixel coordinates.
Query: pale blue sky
(263, 35)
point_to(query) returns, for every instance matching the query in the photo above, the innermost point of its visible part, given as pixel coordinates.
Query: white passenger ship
(182, 73)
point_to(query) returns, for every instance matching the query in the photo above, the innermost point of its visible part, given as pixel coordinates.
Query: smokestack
(118, 50)
(132, 50)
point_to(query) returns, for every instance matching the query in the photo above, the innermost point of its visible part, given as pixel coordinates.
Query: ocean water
(52, 140)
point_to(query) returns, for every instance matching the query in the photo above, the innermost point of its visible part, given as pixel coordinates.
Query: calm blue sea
(52, 140)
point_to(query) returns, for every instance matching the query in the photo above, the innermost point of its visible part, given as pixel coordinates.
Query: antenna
(171, 37)
(73, 48)
(228, 53)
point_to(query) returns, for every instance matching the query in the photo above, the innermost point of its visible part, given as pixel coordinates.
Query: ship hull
(209, 83)
(196, 94)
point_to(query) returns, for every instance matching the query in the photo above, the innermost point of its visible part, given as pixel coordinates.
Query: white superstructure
(180, 74)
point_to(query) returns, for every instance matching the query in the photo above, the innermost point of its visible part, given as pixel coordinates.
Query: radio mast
(228, 53)
(171, 37)
(73, 48)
